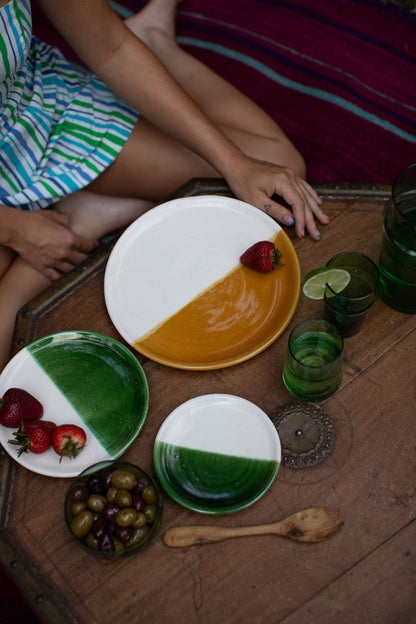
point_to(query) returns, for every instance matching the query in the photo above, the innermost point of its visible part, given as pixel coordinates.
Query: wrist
(231, 162)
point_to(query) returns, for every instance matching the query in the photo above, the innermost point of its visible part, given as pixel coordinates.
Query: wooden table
(365, 573)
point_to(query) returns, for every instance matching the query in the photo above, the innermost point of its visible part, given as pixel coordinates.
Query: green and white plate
(217, 454)
(83, 378)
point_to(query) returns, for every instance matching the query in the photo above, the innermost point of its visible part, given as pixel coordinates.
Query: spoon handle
(190, 535)
(310, 525)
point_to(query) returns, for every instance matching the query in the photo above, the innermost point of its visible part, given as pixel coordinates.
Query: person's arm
(43, 239)
(129, 68)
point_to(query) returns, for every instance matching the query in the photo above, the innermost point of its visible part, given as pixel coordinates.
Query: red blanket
(337, 75)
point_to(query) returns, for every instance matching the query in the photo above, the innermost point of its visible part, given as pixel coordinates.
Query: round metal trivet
(306, 433)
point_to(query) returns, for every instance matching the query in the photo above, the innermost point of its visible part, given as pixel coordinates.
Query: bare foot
(157, 18)
(94, 215)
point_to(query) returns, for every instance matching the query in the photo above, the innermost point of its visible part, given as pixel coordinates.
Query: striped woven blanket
(339, 76)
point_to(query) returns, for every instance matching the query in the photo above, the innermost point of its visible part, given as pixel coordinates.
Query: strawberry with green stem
(34, 436)
(262, 257)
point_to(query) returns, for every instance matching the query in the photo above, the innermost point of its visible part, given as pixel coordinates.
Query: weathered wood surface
(365, 573)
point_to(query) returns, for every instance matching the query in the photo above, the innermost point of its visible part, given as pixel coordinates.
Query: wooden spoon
(310, 525)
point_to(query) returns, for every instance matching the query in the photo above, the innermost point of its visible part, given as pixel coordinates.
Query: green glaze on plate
(217, 453)
(101, 379)
(212, 482)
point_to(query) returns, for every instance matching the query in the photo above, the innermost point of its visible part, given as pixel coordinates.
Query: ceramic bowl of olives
(113, 508)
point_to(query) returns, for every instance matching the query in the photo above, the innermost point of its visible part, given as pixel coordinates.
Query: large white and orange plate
(177, 293)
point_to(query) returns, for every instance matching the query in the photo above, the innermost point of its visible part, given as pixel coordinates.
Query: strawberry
(262, 256)
(68, 440)
(33, 436)
(18, 405)
(29, 425)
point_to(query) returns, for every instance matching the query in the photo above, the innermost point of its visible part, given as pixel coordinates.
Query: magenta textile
(339, 76)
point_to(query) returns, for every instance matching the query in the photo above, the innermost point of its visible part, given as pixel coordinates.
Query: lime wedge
(314, 282)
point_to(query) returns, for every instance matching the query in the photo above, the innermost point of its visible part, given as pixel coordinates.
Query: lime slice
(314, 282)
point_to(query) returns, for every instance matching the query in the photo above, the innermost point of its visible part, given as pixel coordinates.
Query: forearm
(169, 108)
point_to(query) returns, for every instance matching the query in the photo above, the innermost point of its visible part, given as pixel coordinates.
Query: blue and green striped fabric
(60, 126)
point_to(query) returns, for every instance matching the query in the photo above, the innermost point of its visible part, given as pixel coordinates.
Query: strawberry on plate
(33, 436)
(68, 440)
(29, 425)
(18, 405)
(262, 256)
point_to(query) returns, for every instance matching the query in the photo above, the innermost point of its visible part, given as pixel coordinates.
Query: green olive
(118, 545)
(138, 534)
(76, 508)
(149, 494)
(150, 513)
(82, 523)
(111, 494)
(126, 516)
(96, 502)
(123, 479)
(140, 520)
(91, 542)
(123, 498)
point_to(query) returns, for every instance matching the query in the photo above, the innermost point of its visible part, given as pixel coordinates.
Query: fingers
(55, 263)
(54, 270)
(52, 274)
(85, 245)
(303, 201)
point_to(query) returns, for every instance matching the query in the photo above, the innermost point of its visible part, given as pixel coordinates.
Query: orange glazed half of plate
(233, 320)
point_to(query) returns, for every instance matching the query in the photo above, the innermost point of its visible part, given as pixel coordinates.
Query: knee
(298, 165)
(283, 153)
(287, 155)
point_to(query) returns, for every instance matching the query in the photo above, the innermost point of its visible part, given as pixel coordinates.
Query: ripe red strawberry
(29, 425)
(17, 405)
(68, 440)
(33, 436)
(262, 256)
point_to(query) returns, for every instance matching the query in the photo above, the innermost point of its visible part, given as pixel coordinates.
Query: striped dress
(60, 126)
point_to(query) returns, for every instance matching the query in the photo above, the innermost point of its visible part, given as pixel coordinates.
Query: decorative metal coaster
(306, 433)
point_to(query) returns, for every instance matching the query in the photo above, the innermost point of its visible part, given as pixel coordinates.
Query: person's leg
(90, 215)
(250, 126)
(19, 284)
(151, 165)
(94, 215)
(7, 256)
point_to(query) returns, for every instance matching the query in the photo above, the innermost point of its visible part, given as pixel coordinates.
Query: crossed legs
(151, 165)
(163, 163)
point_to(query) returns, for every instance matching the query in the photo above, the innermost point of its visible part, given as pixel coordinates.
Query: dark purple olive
(107, 477)
(106, 543)
(142, 482)
(79, 493)
(99, 527)
(95, 484)
(123, 533)
(110, 511)
(137, 502)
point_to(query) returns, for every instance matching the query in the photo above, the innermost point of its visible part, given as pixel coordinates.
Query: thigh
(150, 166)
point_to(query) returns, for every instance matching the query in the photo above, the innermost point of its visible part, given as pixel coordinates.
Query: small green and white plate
(84, 378)
(217, 454)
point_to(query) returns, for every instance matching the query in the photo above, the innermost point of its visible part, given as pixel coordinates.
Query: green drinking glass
(348, 308)
(313, 366)
(397, 262)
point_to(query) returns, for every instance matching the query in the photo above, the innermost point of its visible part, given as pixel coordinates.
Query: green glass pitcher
(397, 262)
